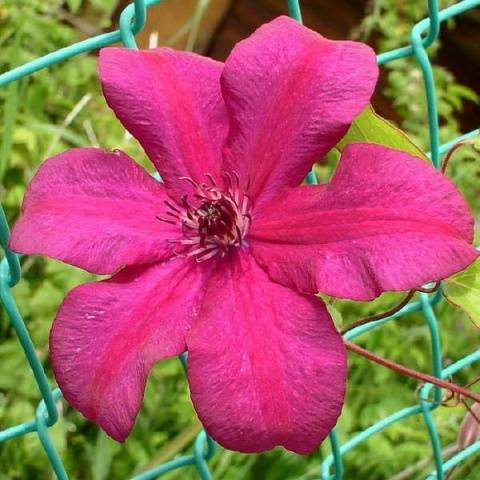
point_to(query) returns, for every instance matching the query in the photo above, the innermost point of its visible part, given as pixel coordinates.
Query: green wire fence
(132, 20)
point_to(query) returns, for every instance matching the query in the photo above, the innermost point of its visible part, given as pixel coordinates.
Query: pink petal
(387, 221)
(107, 335)
(95, 210)
(266, 366)
(469, 431)
(171, 102)
(291, 95)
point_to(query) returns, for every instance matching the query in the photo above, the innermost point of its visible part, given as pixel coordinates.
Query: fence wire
(132, 20)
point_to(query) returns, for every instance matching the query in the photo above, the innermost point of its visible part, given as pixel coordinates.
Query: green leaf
(463, 290)
(370, 127)
(332, 309)
(105, 449)
(476, 145)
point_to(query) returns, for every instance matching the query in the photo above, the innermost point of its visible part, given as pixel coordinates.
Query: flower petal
(107, 335)
(95, 210)
(171, 102)
(266, 365)
(291, 95)
(387, 221)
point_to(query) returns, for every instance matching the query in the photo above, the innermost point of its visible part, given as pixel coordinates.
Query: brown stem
(449, 474)
(459, 399)
(379, 316)
(452, 151)
(453, 387)
(470, 410)
(388, 313)
(473, 382)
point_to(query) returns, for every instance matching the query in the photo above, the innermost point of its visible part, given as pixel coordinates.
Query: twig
(409, 471)
(449, 475)
(393, 310)
(470, 410)
(77, 108)
(84, 27)
(92, 138)
(198, 14)
(452, 151)
(423, 377)
(173, 447)
(379, 316)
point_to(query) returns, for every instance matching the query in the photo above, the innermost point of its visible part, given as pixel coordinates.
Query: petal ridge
(291, 95)
(171, 102)
(266, 366)
(96, 210)
(387, 221)
(107, 336)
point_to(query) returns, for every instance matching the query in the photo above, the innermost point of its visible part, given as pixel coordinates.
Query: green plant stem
(385, 362)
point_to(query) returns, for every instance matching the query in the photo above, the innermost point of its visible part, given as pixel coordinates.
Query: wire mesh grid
(132, 20)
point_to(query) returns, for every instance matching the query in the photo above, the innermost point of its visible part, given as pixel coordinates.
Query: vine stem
(379, 316)
(389, 313)
(385, 362)
(452, 151)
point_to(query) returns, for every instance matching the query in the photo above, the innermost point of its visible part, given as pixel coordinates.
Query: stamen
(189, 180)
(237, 178)
(210, 177)
(207, 256)
(165, 220)
(201, 250)
(228, 178)
(172, 206)
(212, 219)
(249, 183)
(239, 233)
(190, 227)
(185, 241)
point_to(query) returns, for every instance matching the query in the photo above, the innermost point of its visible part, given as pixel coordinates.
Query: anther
(212, 219)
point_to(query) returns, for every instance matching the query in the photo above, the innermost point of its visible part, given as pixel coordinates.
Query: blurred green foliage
(62, 107)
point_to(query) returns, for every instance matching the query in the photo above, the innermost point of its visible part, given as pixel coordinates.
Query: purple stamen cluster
(213, 219)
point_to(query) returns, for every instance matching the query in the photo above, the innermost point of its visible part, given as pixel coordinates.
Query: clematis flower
(222, 259)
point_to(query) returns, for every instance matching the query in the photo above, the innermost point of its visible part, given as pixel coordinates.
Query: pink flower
(222, 259)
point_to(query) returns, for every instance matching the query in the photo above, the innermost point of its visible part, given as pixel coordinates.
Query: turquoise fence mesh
(132, 20)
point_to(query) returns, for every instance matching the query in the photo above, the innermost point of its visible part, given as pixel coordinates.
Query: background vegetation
(62, 107)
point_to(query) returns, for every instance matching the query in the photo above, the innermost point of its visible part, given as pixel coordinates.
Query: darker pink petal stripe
(266, 365)
(171, 102)
(96, 210)
(387, 221)
(107, 335)
(291, 95)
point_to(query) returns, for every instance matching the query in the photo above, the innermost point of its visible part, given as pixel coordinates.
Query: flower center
(213, 219)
